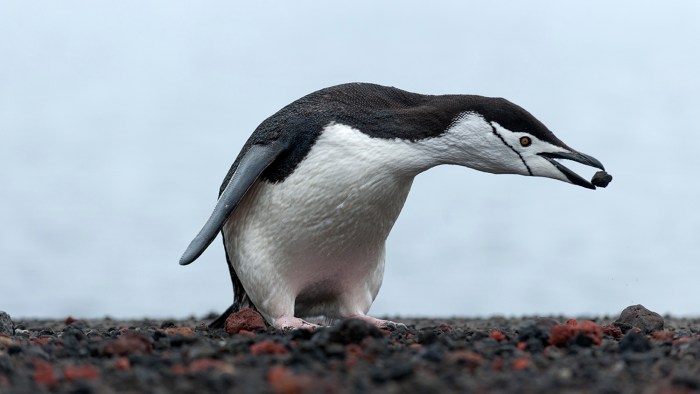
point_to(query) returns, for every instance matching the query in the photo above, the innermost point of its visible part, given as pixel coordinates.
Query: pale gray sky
(118, 121)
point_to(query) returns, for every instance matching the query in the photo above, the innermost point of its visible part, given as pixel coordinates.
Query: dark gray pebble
(640, 317)
(601, 179)
(635, 342)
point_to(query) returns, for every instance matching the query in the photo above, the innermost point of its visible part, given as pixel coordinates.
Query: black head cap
(508, 115)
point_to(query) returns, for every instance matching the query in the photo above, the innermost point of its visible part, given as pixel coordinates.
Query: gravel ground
(638, 351)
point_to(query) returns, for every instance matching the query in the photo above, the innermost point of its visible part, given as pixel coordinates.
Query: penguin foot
(388, 324)
(293, 323)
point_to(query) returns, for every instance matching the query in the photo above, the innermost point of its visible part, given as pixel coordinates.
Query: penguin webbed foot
(289, 323)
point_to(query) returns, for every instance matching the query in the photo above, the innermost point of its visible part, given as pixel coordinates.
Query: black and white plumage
(307, 205)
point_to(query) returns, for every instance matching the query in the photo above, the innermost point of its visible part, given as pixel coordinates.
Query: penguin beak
(577, 157)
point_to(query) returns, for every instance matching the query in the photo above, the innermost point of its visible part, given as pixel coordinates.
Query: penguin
(306, 207)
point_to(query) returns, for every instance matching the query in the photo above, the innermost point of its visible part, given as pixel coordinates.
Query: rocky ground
(638, 351)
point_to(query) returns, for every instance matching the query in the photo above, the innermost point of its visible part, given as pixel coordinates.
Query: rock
(537, 329)
(245, 319)
(663, 336)
(497, 335)
(612, 331)
(585, 333)
(6, 325)
(80, 372)
(283, 381)
(186, 331)
(268, 347)
(128, 343)
(640, 317)
(601, 179)
(122, 363)
(350, 331)
(44, 374)
(634, 342)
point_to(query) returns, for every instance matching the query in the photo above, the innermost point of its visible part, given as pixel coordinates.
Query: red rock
(70, 320)
(663, 336)
(681, 341)
(283, 381)
(127, 343)
(612, 331)
(268, 347)
(186, 331)
(522, 345)
(41, 341)
(122, 363)
(204, 364)
(497, 335)
(245, 319)
(591, 330)
(521, 363)
(178, 369)
(44, 373)
(80, 372)
(562, 333)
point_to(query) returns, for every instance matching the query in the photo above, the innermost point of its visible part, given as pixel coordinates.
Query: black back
(380, 112)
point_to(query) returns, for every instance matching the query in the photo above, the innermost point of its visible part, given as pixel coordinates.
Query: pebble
(640, 317)
(585, 333)
(6, 326)
(80, 372)
(128, 343)
(348, 331)
(245, 319)
(601, 179)
(268, 347)
(635, 342)
(186, 331)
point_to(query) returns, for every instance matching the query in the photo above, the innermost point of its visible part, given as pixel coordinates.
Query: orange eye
(525, 141)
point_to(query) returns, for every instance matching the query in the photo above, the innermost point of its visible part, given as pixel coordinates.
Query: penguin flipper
(252, 163)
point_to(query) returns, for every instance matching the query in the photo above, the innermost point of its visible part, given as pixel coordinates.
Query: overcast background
(118, 121)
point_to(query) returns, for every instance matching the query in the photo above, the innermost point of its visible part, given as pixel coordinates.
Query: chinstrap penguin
(307, 205)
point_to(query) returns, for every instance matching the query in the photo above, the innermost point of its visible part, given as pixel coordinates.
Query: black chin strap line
(493, 128)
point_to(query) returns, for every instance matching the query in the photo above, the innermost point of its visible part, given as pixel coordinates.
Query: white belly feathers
(319, 235)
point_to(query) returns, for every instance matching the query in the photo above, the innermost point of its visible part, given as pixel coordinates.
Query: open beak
(577, 157)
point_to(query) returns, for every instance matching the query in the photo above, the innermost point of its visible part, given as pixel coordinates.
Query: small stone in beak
(601, 179)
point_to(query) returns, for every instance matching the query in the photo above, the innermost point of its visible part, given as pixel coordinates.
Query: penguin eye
(525, 141)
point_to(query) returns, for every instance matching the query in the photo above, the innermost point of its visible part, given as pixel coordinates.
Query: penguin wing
(251, 165)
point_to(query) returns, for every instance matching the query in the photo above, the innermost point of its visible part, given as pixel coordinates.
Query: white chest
(325, 224)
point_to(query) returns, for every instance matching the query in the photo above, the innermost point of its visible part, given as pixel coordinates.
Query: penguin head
(494, 135)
